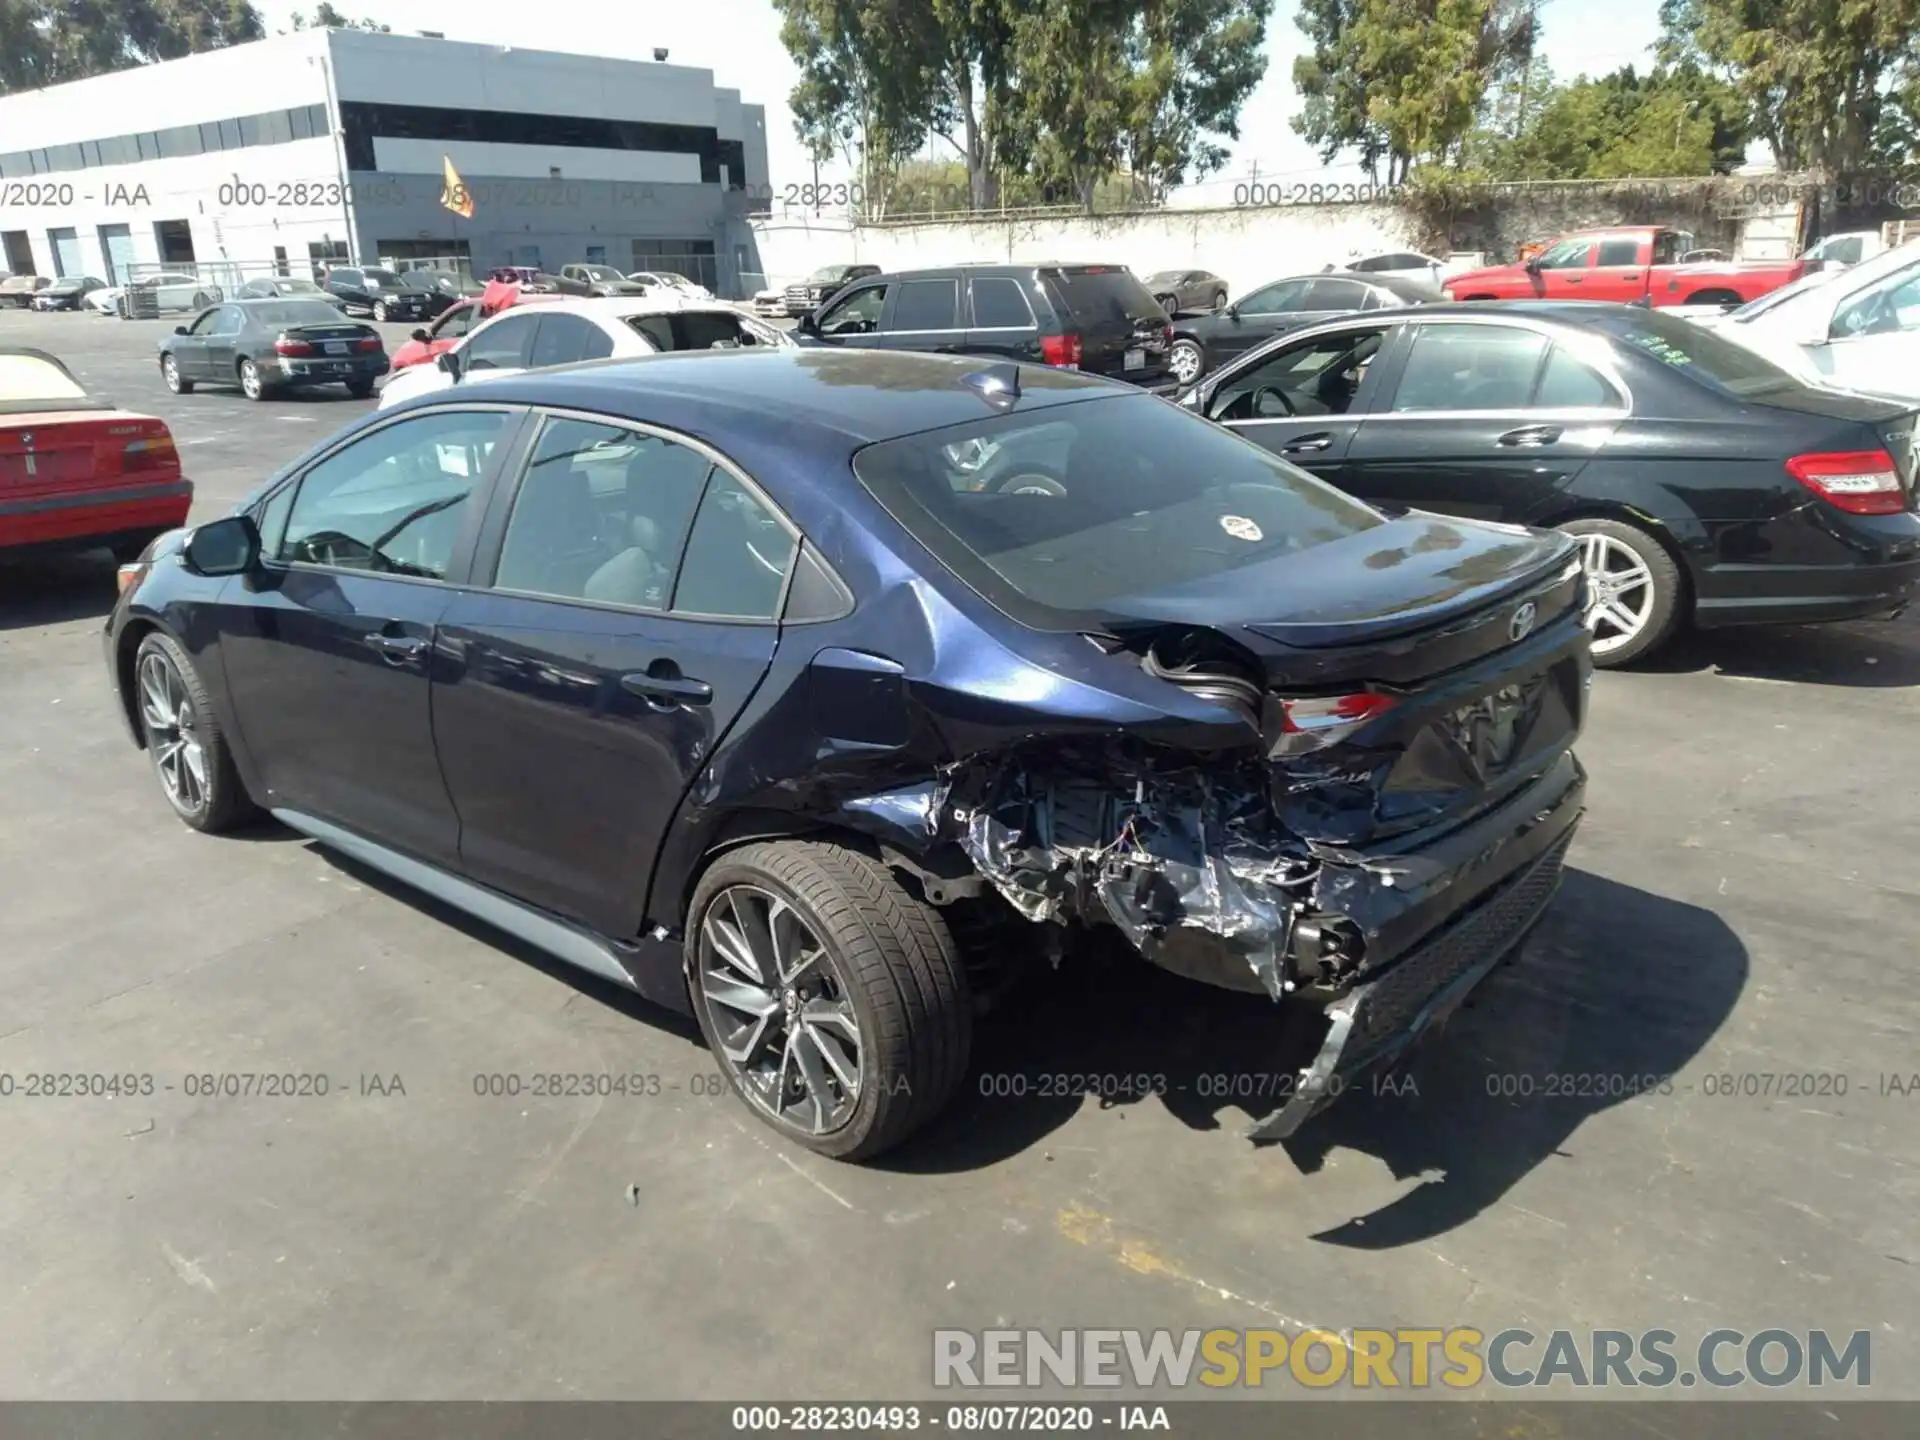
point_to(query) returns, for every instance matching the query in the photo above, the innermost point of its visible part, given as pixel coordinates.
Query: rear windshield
(297, 312)
(1104, 293)
(1694, 350)
(1058, 516)
(297, 287)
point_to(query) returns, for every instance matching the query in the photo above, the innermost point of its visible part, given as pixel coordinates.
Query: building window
(174, 239)
(361, 121)
(236, 132)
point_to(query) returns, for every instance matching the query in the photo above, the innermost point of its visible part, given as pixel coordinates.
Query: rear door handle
(1531, 435)
(397, 649)
(667, 690)
(1307, 442)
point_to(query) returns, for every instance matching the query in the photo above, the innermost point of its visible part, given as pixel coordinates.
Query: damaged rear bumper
(1451, 912)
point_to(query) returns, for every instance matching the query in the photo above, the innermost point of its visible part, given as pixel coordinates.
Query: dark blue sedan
(798, 690)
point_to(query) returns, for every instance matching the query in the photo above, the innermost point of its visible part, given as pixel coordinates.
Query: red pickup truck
(1625, 264)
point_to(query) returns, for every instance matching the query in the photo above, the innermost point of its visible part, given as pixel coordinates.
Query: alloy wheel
(1620, 591)
(250, 379)
(380, 313)
(780, 1010)
(173, 734)
(170, 372)
(1185, 361)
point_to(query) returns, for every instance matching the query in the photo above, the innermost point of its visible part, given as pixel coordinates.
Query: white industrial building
(330, 145)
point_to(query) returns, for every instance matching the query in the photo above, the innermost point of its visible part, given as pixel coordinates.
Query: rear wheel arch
(1640, 520)
(1714, 297)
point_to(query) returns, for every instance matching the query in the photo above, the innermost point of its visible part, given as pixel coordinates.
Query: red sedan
(459, 318)
(78, 472)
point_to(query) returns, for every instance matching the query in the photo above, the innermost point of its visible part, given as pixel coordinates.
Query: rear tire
(253, 384)
(1634, 588)
(865, 958)
(1169, 303)
(1219, 301)
(189, 753)
(1187, 360)
(360, 389)
(380, 311)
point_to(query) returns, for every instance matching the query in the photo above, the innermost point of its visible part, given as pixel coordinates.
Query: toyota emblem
(1521, 623)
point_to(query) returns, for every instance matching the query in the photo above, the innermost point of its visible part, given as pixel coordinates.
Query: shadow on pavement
(55, 589)
(1615, 990)
(1870, 654)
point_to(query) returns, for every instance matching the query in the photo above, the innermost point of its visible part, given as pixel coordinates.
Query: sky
(739, 40)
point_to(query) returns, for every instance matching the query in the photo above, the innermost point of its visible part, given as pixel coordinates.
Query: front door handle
(1531, 435)
(664, 687)
(1318, 441)
(397, 649)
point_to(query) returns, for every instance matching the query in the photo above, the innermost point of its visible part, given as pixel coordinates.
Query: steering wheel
(1260, 399)
(1030, 482)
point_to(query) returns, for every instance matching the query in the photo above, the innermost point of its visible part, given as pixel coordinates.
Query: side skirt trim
(558, 938)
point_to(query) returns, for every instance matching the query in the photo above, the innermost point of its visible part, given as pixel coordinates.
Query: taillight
(1061, 350)
(1861, 482)
(284, 346)
(369, 345)
(1166, 334)
(156, 452)
(1319, 721)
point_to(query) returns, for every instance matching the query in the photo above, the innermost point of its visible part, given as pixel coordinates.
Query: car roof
(619, 307)
(856, 397)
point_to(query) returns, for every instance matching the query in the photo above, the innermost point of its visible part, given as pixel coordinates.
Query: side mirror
(809, 325)
(179, 329)
(1233, 310)
(223, 547)
(421, 336)
(449, 361)
(1533, 265)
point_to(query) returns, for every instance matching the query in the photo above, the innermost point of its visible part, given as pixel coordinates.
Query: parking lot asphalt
(1742, 903)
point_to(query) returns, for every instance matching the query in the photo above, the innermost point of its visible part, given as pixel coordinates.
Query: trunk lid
(1115, 317)
(1458, 650)
(54, 452)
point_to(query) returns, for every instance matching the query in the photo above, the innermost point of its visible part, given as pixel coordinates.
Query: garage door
(116, 243)
(66, 252)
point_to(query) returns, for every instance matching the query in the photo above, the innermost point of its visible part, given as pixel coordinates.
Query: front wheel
(1219, 301)
(184, 741)
(833, 997)
(1187, 360)
(1633, 590)
(176, 382)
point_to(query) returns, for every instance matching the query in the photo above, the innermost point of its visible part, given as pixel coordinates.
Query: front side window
(927, 305)
(506, 344)
(602, 515)
(1566, 255)
(1276, 299)
(455, 323)
(393, 501)
(1470, 367)
(1889, 306)
(226, 321)
(1315, 377)
(1058, 517)
(857, 314)
(204, 325)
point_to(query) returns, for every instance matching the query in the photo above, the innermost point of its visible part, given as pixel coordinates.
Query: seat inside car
(663, 485)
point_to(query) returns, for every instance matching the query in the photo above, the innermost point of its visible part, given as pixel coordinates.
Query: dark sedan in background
(287, 287)
(267, 347)
(770, 684)
(1705, 484)
(385, 295)
(67, 294)
(1203, 342)
(1183, 290)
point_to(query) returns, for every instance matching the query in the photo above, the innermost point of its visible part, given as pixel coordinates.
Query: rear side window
(927, 305)
(1103, 294)
(1566, 384)
(1694, 351)
(1000, 304)
(1618, 252)
(737, 556)
(1057, 517)
(564, 339)
(1336, 295)
(1470, 367)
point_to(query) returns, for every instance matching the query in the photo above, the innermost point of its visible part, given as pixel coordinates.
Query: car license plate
(336, 348)
(1135, 360)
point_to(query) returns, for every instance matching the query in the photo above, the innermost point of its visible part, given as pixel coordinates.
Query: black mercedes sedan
(1704, 484)
(385, 295)
(1203, 342)
(809, 691)
(267, 347)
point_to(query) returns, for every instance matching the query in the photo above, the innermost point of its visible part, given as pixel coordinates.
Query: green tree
(1674, 121)
(1816, 76)
(48, 42)
(1402, 81)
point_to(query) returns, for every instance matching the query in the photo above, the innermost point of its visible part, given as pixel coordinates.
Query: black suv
(1097, 318)
(823, 284)
(384, 294)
